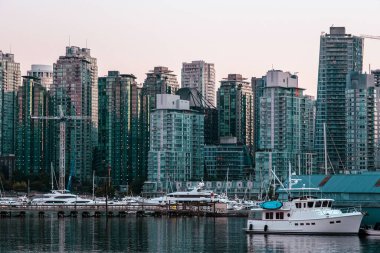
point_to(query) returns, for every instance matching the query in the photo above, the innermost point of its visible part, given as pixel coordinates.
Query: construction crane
(370, 37)
(62, 140)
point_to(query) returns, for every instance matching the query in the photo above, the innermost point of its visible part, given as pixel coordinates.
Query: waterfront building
(362, 135)
(176, 143)
(119, 126)
(340, 53)
(286, 128)
(75, 88)
(10, 78)
(199, 103)
(227, 161)
(199, 75)
(160, 80)
(235, 110)
(44, 73)
(32, 135)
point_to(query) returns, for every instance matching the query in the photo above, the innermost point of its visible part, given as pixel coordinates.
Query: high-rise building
(235, 110)
(286, 128)
(199, 75)
(44, 73)
(200, 104)
(75, 90)
(118, 126)
(176, 143)
(362, 120)
(258, 85)
(340, 53)
(10, 78)
(160, 80)
(33, 139)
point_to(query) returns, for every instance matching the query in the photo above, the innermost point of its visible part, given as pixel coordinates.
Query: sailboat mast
(93, 185)
(325, 146)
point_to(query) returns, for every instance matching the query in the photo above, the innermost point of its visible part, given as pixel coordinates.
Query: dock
(122, 210)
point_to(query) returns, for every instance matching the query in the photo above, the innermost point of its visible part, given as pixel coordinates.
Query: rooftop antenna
(369, 68)
(86, 43)
(69, 41)
(10, 48)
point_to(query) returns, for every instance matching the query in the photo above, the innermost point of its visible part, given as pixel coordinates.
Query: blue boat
(271, 205)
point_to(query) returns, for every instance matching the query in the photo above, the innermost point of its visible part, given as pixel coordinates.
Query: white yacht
(197, 194)
(60, 198)
(304, 215)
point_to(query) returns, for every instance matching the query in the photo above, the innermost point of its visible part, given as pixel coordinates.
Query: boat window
(298, 205)
(269, 216)
(338, 221)
(324, 203)
(304, 205)
(330, 204)
(280, 216)
(318, 204)
(331, 222)
(308, 224)
(312, 223)
(310, 204)
(301, 224)
(296, 224)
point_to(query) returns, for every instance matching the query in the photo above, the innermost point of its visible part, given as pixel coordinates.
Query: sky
(247, 37)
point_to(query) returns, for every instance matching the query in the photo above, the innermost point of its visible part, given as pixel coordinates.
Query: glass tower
(286, 128)
(33, 140)
(10, 78)
(340, 53)
(118, 126)
(75, 88)
(235, 110)
(176, 142)
(362, 134)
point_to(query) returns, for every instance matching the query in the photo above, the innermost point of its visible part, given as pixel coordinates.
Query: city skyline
(238, 37)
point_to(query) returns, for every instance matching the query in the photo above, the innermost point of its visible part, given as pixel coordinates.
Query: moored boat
(304, 215)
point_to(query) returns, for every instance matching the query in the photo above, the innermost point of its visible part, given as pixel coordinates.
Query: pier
(109, 211)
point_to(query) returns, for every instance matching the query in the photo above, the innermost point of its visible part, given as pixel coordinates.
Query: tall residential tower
(340, 53)
(199, 75)
(10, 80)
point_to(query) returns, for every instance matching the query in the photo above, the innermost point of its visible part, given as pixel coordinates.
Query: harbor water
(149, 234)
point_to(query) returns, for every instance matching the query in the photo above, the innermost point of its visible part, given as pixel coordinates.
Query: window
(298, 205)
(308, 224)
(301, 224)
(338, 221)
(269, 216)
(310, 204)
(331, 222)
(324, 203)
(280, 216)
(318, 204)
(312, 223)
(296, 224)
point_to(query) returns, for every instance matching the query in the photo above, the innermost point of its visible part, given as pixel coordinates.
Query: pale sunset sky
(239, 36)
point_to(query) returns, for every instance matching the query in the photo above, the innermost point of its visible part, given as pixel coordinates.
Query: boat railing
(351, 209)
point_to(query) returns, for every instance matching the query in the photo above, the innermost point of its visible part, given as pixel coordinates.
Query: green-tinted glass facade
(33, 140)
(10, 79)
(339, 54)
(176, 146)
(119, 129)
(362, 133)
(235, 110)
(286, 133)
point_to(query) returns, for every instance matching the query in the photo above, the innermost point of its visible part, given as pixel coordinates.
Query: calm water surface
(150, 234)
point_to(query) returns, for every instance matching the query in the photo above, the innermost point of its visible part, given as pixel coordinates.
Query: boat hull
(347, 224)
